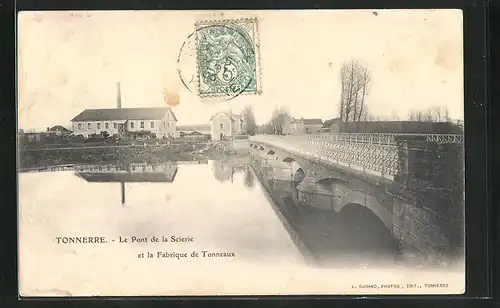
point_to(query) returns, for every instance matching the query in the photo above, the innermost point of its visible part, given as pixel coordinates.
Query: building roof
(59, 127)
(148, 113)
(198, 127)
(308, 121)
(329, 122)
(404, 127)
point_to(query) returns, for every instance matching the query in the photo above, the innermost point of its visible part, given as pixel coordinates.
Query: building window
(107, 125)
(164, 124)
(152, 124)
(142, 124)
(132, 125)
(89, 125)
(79, 125)
(222, 126)
(98, 125)
(115, 125)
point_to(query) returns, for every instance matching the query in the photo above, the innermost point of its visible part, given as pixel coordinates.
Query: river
(253, 216)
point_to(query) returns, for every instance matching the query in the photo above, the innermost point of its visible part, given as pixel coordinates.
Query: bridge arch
(367, 230)
(298, 175)
(298, 172)
(352, 199)
(288, 160)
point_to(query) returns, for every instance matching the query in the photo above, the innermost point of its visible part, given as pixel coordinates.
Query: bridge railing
(380, 139)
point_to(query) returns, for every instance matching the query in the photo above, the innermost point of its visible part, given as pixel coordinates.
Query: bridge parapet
(382, 155)
(380, 139)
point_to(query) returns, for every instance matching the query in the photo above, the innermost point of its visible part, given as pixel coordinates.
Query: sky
(70, 61)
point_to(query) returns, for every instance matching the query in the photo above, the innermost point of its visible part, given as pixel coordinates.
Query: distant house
(403, 127)
(306, 126)
(333, 126)
(33, 137)
(195, 135)
(225, 125)
(201, 131)
(59, 130)
(156, 122)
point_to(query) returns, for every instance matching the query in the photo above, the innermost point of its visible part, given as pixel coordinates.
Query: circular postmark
(217, 62)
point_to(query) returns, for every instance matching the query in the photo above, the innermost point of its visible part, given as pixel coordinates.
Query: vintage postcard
(194, 153)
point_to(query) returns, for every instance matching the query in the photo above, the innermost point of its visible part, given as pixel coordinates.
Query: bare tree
(434, 114)
(249, 120)
(394, 116)
(279, 119)
(355, 80)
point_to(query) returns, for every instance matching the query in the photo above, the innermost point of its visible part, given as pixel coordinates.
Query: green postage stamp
(227, 57)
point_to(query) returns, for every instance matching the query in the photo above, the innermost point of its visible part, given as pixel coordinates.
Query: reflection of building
(306, 126)
(224, 170)
(158, 122)
(226, 125)
(128, 173)
(132, 173)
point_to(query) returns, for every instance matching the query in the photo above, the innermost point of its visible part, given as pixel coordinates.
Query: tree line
(352, 107)
(276, 125)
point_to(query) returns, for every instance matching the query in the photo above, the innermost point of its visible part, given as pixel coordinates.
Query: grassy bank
(36, 158)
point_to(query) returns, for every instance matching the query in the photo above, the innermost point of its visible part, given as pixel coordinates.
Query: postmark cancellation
(227, 54)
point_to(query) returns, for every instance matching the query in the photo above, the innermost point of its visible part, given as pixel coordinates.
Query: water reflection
(224, 170)
(324, 231)
(145, 172)
(249, 179)
(127, 173)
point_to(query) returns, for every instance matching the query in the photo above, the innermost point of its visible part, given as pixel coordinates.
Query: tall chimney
(118, 96)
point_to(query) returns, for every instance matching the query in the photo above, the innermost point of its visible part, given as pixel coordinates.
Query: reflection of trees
(249, 177)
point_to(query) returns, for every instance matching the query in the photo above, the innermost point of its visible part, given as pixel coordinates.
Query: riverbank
(35, 158)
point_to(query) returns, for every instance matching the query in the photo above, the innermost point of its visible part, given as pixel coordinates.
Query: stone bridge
(412, 183)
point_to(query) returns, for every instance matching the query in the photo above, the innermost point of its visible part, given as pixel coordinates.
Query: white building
(158, 122)
(225, 125)
(306, 126)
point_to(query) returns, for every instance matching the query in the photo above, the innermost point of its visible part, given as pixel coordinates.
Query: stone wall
(432, 180)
